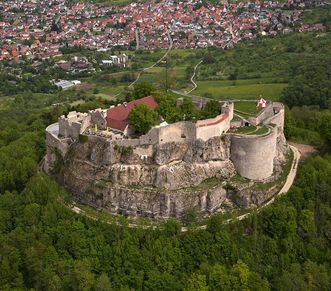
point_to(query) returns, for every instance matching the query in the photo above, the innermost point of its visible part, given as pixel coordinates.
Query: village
(40, 30)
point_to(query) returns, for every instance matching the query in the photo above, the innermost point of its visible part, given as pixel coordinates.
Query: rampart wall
(253, 156)
(265, 114)
(278, 117)
(205, 129)
(228, 108)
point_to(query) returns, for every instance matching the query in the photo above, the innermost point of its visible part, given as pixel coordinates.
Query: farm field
(240, 90)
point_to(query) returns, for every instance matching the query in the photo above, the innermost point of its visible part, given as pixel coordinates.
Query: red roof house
(117, 117)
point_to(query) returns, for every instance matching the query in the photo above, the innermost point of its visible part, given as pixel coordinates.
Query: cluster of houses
(40, 28)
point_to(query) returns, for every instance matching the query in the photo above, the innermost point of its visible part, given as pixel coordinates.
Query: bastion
(171, 169)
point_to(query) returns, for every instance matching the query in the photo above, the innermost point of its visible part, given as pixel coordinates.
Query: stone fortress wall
(254, 155)
(166, 163)
(74, 124)
(265, 114)
(53, 144)
(278, 116)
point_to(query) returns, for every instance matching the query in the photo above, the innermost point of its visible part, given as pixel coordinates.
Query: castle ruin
(163, 173)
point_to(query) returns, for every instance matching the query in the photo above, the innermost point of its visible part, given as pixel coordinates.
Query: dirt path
(304, 149)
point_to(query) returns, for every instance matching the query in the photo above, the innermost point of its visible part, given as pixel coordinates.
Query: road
(192, 78)
(287, 185)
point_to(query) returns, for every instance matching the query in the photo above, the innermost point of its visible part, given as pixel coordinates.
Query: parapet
(227, 108)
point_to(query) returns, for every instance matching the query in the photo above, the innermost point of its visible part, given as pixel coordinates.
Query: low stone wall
(151, 137)
(253, 156)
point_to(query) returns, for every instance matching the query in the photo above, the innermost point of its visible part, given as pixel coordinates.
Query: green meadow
(240, 89)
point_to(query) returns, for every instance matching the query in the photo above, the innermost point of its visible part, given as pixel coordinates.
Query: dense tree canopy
(141, 118)
(44, 245)
(310, 84)
(142, 89)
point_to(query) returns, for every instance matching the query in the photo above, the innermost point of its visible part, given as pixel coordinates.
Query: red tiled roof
(117, 117)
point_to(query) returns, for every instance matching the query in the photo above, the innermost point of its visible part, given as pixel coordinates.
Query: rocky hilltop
(161, 175)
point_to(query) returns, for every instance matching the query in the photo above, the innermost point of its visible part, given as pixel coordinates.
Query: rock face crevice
(159, 181)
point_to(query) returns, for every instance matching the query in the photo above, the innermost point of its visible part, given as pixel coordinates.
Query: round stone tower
(253, 156)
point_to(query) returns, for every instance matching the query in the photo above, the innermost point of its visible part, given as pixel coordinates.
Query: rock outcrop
(158, 180)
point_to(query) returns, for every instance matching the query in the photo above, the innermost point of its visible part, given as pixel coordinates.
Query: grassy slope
(247, 107)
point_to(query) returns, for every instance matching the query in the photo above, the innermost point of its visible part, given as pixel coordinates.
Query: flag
(261, 103)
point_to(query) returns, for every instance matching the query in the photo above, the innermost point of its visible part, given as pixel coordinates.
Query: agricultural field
(240, 89)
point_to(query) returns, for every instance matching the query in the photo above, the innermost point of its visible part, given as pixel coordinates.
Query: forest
(46, 246)
(287, 246)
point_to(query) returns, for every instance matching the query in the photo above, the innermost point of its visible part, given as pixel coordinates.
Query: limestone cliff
(169, 166)
(158, 180)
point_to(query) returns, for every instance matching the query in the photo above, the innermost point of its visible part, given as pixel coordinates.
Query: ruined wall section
(264, 115)
(278, 117)
(253, 156)
(74, 124)
(98, 117)
(177, 132)
(53, 144)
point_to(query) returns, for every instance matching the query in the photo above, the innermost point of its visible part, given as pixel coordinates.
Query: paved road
(288, 183)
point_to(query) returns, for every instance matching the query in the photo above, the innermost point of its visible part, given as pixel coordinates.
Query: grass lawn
(261, 131)
(105, 96)
(246, 129)
(241, 89)
(154, 70)
(247, 107)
